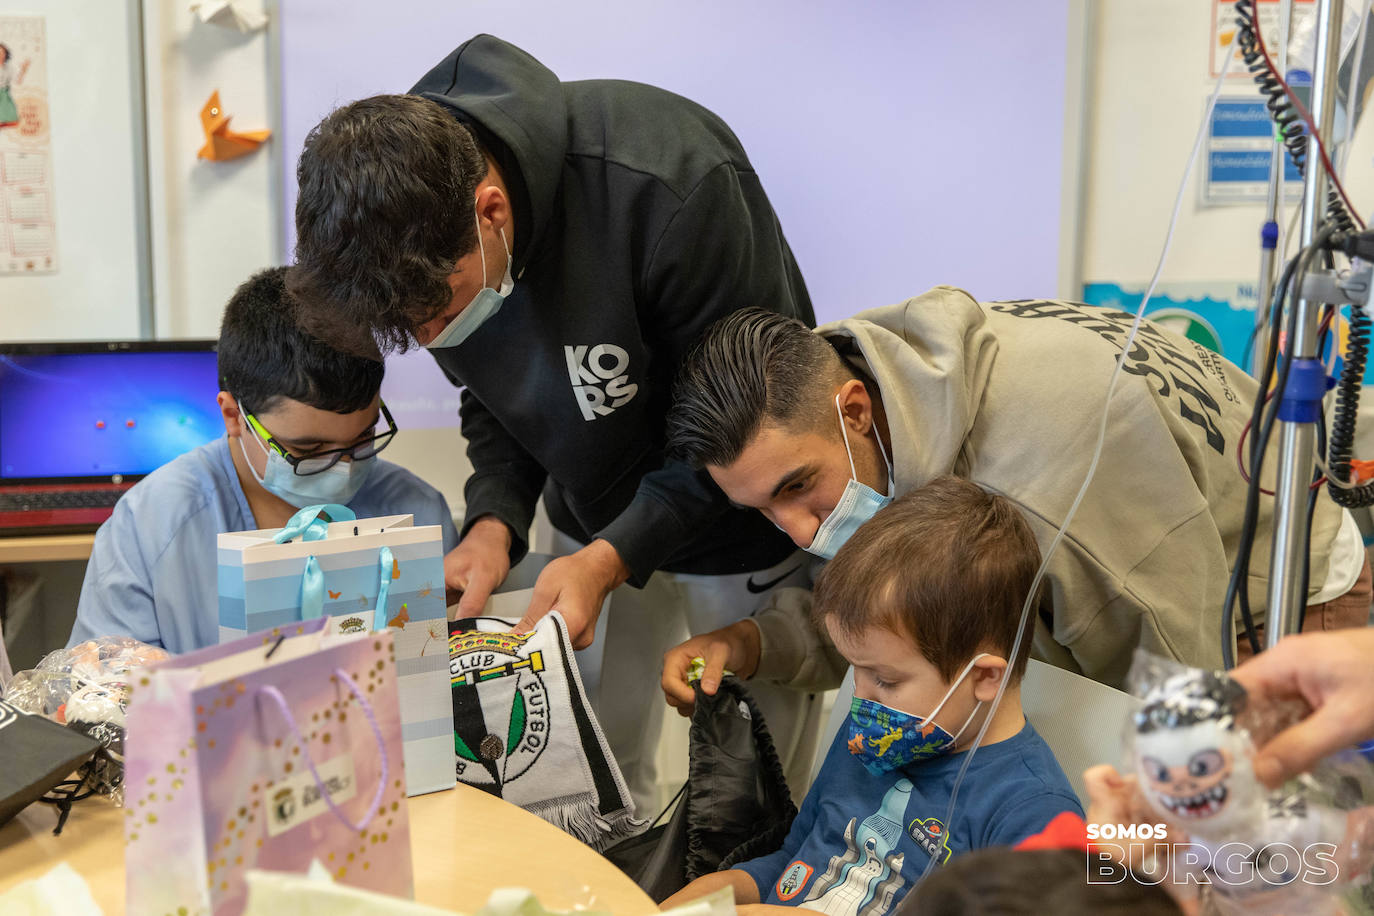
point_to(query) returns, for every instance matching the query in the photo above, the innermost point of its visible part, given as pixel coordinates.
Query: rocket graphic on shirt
(864, 880)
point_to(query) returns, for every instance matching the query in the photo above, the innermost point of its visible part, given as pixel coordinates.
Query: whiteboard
(94, 65)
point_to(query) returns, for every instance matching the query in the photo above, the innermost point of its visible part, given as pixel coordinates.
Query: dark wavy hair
(750, 367)
(265, 356)
(384, 211)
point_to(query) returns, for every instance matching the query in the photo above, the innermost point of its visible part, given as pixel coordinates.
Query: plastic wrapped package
(39, 692)
(1247, 848)
(86, 688)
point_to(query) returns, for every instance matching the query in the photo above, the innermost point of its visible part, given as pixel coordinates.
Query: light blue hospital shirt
(152, 572)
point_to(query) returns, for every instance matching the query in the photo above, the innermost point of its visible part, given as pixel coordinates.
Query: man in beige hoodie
(818, 429)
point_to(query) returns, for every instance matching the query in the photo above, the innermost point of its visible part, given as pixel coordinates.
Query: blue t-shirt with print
(860, 842)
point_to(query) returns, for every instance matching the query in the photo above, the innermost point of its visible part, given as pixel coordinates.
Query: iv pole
(1297, 433)
(1269, 233)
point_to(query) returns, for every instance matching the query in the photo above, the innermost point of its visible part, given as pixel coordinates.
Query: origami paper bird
(221, 143)
(230, 14)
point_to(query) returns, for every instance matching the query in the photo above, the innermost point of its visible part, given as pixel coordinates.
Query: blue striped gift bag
(364, 574)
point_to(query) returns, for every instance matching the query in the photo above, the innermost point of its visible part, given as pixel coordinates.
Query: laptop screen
(98, 411)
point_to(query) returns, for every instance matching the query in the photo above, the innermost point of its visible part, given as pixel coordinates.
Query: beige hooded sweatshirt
(1010, 396)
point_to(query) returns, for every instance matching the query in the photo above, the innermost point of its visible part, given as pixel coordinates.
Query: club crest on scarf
(523, 730)
(500, 731)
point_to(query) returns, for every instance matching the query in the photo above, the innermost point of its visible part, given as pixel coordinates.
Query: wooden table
(456, 866)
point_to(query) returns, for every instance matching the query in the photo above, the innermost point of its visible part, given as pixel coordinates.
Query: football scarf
(523, 730)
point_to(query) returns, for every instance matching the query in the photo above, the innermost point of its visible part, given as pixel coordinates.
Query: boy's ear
(229, 409)
(987, 676)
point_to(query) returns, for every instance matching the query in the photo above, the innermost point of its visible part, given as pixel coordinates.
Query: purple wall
(903, 144)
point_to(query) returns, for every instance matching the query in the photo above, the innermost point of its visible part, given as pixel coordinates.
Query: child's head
(1005, 881)
(925, 586)
(295, 404)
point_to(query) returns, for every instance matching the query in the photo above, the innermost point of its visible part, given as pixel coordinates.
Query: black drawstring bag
(734, 807)
(36, 755)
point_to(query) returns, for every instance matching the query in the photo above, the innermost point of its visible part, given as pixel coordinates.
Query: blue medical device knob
(1269, 235)
(1302, 396)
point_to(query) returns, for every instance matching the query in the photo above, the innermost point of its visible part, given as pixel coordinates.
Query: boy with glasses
(303, 425)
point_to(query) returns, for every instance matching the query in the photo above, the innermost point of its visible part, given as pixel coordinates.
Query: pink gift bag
(271, 751)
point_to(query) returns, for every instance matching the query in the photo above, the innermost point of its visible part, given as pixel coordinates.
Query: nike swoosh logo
(759, 587)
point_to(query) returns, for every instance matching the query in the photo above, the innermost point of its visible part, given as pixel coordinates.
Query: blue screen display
(98, 414)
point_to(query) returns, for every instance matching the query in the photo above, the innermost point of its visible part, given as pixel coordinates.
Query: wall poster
(28, 231)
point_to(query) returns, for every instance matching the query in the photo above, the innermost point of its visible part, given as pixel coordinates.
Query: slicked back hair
(385, 209)
(947, 565)
(265, 356)
(752, 367)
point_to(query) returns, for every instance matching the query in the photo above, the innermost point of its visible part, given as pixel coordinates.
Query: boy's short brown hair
(947, 565)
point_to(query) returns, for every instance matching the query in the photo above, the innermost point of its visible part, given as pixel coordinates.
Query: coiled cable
(1293, 130)
(1289, 121)
(1342, 438)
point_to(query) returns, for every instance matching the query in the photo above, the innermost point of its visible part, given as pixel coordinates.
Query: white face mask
(486, 303)
(857, 504)
(337, 484)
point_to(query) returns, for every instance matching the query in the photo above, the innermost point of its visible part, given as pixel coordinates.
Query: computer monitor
(103, 412)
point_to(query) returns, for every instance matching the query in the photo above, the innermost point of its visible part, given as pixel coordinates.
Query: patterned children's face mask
(884, 738)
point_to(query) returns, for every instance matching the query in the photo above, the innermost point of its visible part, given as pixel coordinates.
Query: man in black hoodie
(559, 247)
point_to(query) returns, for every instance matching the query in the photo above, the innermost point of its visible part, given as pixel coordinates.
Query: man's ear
(234, 422)
(494, 206)
(987, 676)
(856, 406)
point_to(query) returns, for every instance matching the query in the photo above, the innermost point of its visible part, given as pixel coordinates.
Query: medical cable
(1240, 570)
(1262, 428)
(1342, 443)
(1322, 335)
(1287, 111)
(1126, 348)
(1340, 218)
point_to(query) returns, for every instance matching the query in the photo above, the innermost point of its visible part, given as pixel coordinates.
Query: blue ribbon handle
(384, 561)
(312, 590)
(312, 524)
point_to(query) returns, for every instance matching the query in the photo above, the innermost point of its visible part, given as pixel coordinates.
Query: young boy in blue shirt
(303, 424)
(923, 601)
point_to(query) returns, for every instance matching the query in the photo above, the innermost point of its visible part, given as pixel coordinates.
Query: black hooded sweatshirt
(639, 221)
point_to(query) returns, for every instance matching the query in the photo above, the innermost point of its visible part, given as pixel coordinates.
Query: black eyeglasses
(318, 462)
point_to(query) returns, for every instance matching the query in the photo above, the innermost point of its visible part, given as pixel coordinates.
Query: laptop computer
(81, 422)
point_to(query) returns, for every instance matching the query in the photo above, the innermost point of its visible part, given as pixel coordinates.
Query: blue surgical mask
(486, 303)
(337, 484)
(857, 504)
(884, 738)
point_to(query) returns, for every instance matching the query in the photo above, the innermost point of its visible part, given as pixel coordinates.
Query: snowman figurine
(1193, 760)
